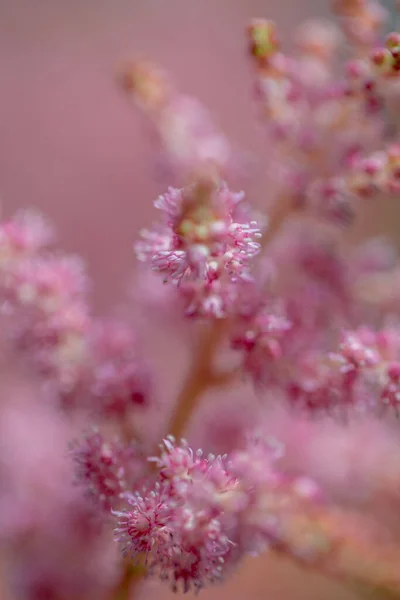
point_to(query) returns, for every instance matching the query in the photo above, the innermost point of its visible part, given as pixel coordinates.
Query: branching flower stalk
(310, 470)
(202, 374)
(201, 377)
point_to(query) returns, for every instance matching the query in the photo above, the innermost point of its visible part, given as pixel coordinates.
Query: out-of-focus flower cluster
(82, 370)
(44, 299)
(278, 296)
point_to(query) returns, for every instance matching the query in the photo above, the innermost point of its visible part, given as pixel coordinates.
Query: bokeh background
(73, 146)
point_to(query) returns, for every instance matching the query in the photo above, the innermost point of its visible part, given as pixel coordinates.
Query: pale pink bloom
(23, 235)
(120, 380)
(106, 469)
(175, 523)
(202, 249)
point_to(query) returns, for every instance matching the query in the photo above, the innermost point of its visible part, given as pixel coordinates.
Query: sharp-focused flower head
(201, 247)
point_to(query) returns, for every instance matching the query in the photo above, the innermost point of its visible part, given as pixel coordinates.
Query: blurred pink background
(72, 145)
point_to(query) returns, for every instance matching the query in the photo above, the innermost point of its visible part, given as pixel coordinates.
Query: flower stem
(378, 594)
(201, 375)
(279, 213)
(130, 578)
(199, 378)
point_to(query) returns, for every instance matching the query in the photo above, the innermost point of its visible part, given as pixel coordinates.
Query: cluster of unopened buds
(310, 318)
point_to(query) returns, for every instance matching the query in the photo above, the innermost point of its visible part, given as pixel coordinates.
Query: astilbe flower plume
(201, 247)
(285, 300)
(300, 324)
(176, 524)
(47, 295)
(106, 468)
(120, 378)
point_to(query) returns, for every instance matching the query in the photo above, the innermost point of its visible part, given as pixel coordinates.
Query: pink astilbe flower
(361, 374)
(249, 503)
(271, 495)
(201, 247)
(23, 235)
(185, 129)
(47, 282)
(46, 524)
(207, 512)
(179, 467)
(362, 21)
(142, 529)
(288, 335)
(177, 525)
(260, 341)
(81, 360)
(181, 544)
(46, 298)
(374, 357)
(322, 126)
(56, 347)
(377, 173)
(120, 379)
(106, 469)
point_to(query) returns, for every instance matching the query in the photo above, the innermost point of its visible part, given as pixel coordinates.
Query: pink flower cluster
(107, 469)
(204, 513)
(80, 359)
(203, 247)
(287, 301)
